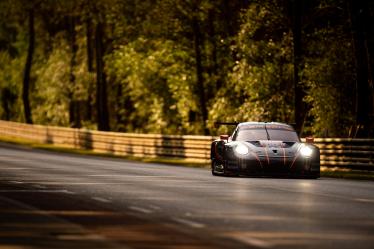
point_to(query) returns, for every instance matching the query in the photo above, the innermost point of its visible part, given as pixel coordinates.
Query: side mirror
(309, 140)
(224, 137)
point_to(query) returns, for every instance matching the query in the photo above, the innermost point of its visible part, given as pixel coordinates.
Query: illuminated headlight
(241, 149)
(306, 151)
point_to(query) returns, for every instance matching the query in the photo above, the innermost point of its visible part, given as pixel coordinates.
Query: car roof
(269, 125)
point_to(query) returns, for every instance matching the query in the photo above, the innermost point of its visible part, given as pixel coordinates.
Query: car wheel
(313, 174)
(313, 177)
(217, 169)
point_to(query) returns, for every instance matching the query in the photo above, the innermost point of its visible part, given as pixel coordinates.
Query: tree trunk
(7, 100)
(300, 107)
(90, 67)
(27, 71)
(90, 51)
(361, 23)
(101, 91)
(214, 67)
(74, 116)
(199, 74)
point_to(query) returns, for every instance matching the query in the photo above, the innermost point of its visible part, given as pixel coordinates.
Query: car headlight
(241, 149)
(306, 151)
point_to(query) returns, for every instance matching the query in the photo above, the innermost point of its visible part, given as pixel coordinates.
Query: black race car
(264, 149)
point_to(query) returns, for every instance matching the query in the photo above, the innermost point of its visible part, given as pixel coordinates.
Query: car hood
(271, 144)
(271, 148)
(266, 144)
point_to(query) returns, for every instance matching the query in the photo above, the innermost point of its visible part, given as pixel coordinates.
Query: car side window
(234, 134)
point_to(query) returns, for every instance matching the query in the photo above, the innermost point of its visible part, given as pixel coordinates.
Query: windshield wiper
(267, 133)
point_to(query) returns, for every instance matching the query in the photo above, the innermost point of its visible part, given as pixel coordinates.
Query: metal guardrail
(347, 153)
(193, 148)
(335, 152)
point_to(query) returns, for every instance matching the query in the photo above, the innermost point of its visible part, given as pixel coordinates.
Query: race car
(264, 149)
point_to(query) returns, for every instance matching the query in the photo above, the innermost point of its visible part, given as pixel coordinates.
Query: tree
(27, 70)
(260, 86)
(176, 66)
(101, 86)
(199, 73)
(362, 31)
(74, 112)
(299, 104)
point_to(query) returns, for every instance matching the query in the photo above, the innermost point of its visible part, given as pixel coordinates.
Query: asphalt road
(56, 200)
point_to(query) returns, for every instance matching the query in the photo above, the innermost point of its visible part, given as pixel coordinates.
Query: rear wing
(235, 123)
(217, 124)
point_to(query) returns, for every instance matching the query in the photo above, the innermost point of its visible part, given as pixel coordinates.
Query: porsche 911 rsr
(260, 149)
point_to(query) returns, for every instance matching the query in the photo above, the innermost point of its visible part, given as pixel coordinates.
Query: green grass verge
(325, 172)
(349, 174)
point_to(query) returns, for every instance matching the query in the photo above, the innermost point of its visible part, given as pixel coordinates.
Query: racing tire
(312, 177)
(214, 172)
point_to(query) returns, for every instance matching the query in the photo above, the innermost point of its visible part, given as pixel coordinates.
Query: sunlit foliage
(261, 85)
(176, 66)
(154, 79)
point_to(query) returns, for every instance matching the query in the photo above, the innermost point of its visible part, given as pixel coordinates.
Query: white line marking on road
(256, 242)
(154, 207)
(101, 199)
(16, 182)
(251, 240)
(142, 210)
(365, 200)
(189, 223)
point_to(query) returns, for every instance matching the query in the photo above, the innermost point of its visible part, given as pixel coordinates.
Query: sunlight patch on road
(13, 168)
(140, 209)
(189, 223)
(60, 212)
(80, 237)
(101, 199)
(272, 239)
(365, 200)
(250, 240)
(58, 191)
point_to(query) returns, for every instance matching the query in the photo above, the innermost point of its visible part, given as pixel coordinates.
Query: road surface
(56, 200)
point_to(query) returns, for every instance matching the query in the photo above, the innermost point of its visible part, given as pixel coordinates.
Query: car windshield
(249, 134)
(283, 135)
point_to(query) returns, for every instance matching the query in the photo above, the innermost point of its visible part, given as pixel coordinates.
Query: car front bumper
(274, 166)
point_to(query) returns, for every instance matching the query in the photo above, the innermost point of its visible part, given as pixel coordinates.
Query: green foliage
(329, 82)
(154, 78)
(260, 86)
(53, 87)
(10, 87)
(51, 90)
(150, 63)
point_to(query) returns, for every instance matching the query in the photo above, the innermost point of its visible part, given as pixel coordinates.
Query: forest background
(177, 66)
